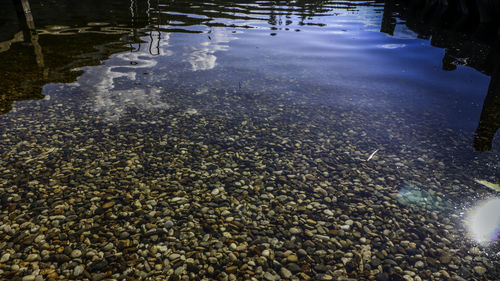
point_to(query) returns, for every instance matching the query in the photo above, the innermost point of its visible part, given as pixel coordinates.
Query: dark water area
(264, 140)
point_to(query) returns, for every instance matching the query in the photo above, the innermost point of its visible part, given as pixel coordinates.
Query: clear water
(154, 101)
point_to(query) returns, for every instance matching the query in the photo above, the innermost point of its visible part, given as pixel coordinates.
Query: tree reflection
(46, 56)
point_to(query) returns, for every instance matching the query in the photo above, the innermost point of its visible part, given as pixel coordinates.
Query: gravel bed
(236, 185)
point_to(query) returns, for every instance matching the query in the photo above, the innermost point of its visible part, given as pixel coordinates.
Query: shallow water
(231, 140)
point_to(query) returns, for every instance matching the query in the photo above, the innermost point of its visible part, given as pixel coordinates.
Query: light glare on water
(484, 220)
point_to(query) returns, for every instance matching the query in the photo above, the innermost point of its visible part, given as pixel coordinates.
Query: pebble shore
(281, 192)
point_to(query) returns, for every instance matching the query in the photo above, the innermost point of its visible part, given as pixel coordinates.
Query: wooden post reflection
(489, 122)
(34, 36)
(388, 21)
(27, 24)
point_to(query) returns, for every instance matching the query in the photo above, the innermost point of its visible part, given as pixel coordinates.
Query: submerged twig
(373, 154)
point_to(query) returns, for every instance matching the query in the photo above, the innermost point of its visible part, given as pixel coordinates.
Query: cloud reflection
(118, 85)
(484, 221)
(392, 46)
(204, 58)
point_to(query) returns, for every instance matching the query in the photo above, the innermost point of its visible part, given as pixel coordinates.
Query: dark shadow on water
(454, 29)
(490, 115)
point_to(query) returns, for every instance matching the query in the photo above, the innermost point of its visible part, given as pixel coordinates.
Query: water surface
(231, 140)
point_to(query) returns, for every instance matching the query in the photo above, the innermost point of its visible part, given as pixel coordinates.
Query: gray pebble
(78, 270)
(169, 224)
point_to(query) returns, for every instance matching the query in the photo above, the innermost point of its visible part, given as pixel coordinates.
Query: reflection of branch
(38, 50)
(5, 45)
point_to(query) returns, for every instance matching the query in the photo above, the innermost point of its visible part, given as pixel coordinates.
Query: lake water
(238, 140)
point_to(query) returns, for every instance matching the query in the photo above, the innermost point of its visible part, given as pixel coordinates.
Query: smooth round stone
(39, 238)
(78, 270)
(328, 212)
(108, 205)
(269, 276)
(33, 257)
(407, 278)
(345, 227)
(174, 256)
(215, 192)
(445, 258)
(232, 257)
(76, 253)
(179, 270)
(302, 252)
(327, 277)
(169, 224)
(292, 258)
(5, 258)
(29, 278)
(295, 230)
(210, 270)
(479, 270)
(286, 273)
(266, 253)
(475, 251)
